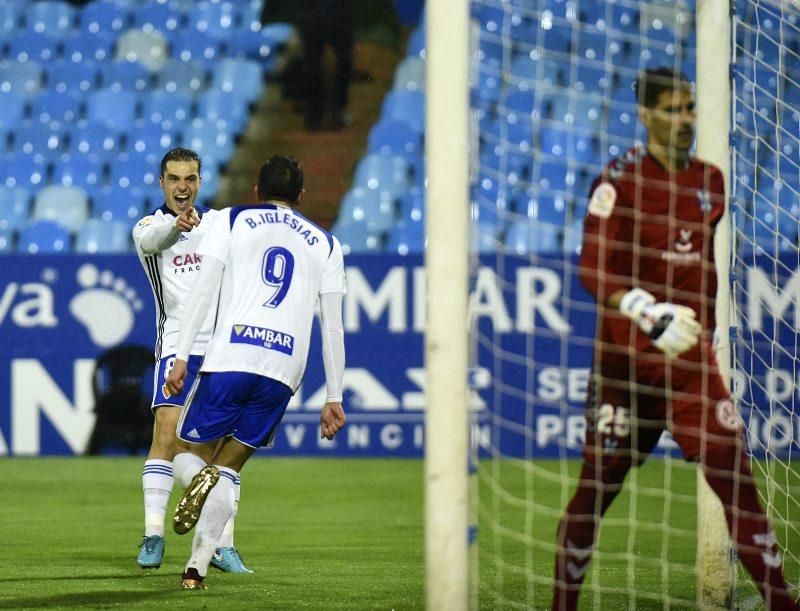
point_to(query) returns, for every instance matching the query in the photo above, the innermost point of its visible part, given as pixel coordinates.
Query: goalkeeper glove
(672, 328)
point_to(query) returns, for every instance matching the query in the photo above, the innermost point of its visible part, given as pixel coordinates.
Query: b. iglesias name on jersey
(287, 218)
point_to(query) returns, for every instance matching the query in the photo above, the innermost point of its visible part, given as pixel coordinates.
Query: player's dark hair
(281, 177)
(655, 81)
(180, 154)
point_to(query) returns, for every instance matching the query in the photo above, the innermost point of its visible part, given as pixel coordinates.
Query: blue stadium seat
(573, 237)
(14, 109)
(355, 237)
(113, 109)
(567, 144)
(528, 236)
(183, 77)
(10, 17)
(486, 91)
(217, 19)
(410, 74)
(155, 15)
(554, 175)
(394, 138)
(123, 75)
(81, 47)
(39, 142)
(257, 44)
(365, 206)
(382, 173)
(205, 137)
(7, 240)
(151, 142)
(415, 47)
(484, 238)
(168, 110)
(24, 78)
(96, 140)
(590, 78)
(69, 77)
(79, 170)
(103, 16)
(146, 47)
(15, 207)
(55, 109)
(490, 201)
(405, 105)
(592, 43)
(521, 105)
(536, 71)
(622, 124)
(242, 77)
(38, 46)
(44, 237)
(546, 208)
(188, 45)
(99, 236)
(583, 111)
(67, 205)
(23, 171)
(134, 173)
(411, 205)
(113, 203)
(55, 17)
(226, 111)
(406, 237)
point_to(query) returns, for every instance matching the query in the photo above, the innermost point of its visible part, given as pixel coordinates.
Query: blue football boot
(152, 552)
(228, 560)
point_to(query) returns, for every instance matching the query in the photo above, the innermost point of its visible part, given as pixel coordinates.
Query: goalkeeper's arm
(672, 328)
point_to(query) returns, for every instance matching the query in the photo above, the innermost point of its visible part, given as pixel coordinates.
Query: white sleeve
(150, 238)
(205, 288)
(330, 309)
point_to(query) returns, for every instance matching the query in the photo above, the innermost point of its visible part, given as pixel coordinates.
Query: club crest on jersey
(704, 201)
(684, 243)
(261, 336)
(728, 416)
(603, 199)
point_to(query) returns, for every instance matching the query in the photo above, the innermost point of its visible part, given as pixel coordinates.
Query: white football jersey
(277, 263)
(172, 273)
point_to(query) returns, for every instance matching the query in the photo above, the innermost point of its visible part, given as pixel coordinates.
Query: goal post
(714, 567)
(446, 424)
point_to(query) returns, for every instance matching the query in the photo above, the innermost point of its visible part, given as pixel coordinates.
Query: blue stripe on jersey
(154, 276)
(236, 210)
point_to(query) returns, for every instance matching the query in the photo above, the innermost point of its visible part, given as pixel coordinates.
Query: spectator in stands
(648, 258)
(321, 23)
(166, 241)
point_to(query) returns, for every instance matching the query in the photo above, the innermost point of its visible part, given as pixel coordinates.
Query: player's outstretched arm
(672, 328)
(152, 238)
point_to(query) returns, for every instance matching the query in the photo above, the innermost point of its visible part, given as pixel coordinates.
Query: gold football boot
(187, 512)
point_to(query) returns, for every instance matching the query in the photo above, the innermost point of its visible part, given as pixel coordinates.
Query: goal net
(553, 103)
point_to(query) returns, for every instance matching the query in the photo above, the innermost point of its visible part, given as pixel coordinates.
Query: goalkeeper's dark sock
(729, 475)
(576, 532)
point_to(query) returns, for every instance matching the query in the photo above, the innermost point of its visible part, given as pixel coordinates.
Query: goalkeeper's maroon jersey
(652, 228)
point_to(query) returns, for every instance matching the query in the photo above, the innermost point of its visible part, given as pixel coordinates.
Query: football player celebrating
(167, 241)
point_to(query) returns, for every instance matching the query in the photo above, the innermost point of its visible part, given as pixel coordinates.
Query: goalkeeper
(648, 258)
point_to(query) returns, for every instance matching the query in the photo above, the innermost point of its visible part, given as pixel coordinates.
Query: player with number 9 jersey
(266, 301)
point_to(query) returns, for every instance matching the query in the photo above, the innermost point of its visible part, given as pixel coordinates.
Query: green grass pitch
(327, 534)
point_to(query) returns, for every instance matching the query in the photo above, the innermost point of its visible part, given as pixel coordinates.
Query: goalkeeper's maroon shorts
(625, 417)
